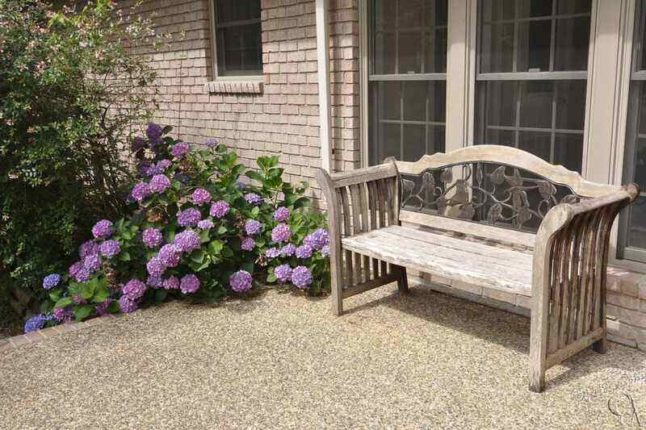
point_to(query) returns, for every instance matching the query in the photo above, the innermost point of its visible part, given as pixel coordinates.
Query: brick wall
(283, 118)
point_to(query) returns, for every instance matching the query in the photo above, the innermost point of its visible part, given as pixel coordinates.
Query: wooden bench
(487, 215)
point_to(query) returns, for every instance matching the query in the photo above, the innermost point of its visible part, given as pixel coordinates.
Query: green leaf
(125, 256)
(255, 211)
(204, 236)
(198, 256)
(271, 278)
(65, 301)
(83, 311)
(87, 290)
(101, 294)
(55, 295)
(215, 247)
(222, 229)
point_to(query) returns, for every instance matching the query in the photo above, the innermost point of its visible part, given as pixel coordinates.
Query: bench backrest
(477, 190)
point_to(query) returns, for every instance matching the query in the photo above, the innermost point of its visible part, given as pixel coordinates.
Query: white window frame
(608, 80)
(214, 52)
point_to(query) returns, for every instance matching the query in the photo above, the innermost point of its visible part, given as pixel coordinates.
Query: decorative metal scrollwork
(491, 197)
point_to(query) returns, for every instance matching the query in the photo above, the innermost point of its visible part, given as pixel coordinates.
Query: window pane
(534, 46)
(414, 142)
(410, 13)
(389, 142)
(497, 48)
(237, 10)
(574, 6)
(535, 142)
(388, 100)
(536, 104)
(572, 44)
(570, 96)
(500, 103)
(415, 97)
(436, 46)
(385, 53)
(239, 49)
(410, 52)
(637, 222)
(496, 10)
(500, 137)
(568, 148)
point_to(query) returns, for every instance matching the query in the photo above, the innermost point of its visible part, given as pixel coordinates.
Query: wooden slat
(359, 176)
(381, 204)
(452, 258)
(503, 235)
(374, 221)
(365, 226)
(347, 257)
(571, 349)
(369, 285)
(356, 229)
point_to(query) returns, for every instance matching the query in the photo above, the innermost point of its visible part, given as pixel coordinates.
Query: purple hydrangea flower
(288, 250)
(51, 281)
(88, 248)
(281, 214)
(171, 283)
(252, 227)
(272, 253)
(127, 305)
(110, 248)
(180, 149)
(219, 209)
(134, 289)
(102, 308)
(301, 277)
(211, 142)
(62, 314)
(317, 239)
(205, 224)
(159, 184)
(155, 267)
(143, 167)
(304, 251)
(137, 143)
(187, 241)
(169, 255)
(253, 198)
(154, 281)
(140, 191)
(281, 233)
(35, 323)
(189, 284)
(164, 164)
(200, 196)
(283, 273)
(92, 262)
(152, 237)
(102, 229)
(247, 244)
(188, 217)
(78, 272)
(154, 131)
(241, 185)
(325, 251)
(77, 299)
(240, 281)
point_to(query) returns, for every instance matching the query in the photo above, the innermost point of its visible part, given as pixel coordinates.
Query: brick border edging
(15, 342)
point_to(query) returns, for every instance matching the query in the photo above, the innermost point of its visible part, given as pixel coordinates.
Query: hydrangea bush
(201, 226)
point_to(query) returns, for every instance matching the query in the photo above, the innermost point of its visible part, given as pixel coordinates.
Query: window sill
(242, 86)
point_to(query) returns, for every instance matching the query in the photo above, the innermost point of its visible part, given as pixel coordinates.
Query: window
(238, 48)
(407, 78)
(531, 77)
(633, 226)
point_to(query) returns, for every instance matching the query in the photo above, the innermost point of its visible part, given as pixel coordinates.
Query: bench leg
(601, 346)
(402, 281)
(336, 296)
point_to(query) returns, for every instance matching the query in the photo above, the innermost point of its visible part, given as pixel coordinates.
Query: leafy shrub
(62, 75)
(195, 229)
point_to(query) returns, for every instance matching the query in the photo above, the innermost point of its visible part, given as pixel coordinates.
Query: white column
(460, 73)
(322, 48)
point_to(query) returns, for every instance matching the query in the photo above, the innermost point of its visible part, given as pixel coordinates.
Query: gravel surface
(421, 361)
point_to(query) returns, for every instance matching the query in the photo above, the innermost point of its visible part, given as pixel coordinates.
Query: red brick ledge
(12, 343)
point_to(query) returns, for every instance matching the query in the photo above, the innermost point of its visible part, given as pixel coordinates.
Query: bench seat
(438, 254)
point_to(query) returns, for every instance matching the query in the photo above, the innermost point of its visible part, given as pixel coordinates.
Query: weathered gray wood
(327, 187)
(407, 247)
(361, 176)
(562, 267)
(502, 235)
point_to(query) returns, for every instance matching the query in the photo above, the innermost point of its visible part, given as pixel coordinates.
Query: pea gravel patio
(278, 361)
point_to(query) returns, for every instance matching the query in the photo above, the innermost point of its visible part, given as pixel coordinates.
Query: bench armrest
(569, 276)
